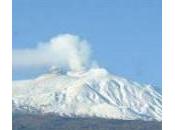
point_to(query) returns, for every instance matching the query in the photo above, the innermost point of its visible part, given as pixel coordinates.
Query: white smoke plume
(65, 50)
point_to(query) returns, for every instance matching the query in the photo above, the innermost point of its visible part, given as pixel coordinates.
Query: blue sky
(125, 35)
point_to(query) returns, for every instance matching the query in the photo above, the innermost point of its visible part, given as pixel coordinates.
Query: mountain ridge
(92, 93)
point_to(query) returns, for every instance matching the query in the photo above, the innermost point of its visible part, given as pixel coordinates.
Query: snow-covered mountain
(92, 93)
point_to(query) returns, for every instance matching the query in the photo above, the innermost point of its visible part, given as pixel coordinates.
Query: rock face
(92, 93)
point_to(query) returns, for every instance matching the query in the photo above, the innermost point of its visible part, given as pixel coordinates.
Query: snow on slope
(92, 93)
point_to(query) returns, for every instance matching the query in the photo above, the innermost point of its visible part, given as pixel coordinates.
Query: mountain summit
(92, 93)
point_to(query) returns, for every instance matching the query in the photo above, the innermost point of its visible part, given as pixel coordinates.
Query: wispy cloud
(65, 50)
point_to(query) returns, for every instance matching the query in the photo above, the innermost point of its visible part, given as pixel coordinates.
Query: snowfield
(92, 93)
